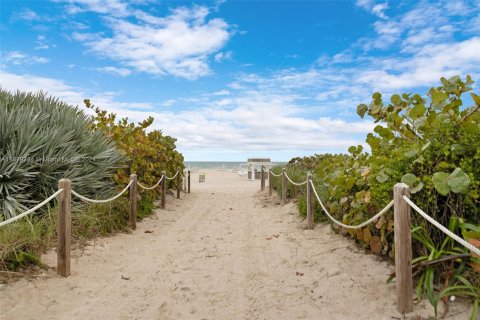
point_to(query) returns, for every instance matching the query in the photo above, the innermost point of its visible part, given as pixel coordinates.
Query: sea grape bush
(147, 153)
(431, 143)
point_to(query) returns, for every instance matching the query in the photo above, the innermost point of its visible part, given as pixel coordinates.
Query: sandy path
(225, 251)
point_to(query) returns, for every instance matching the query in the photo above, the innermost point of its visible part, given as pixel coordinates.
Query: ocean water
(218, 165)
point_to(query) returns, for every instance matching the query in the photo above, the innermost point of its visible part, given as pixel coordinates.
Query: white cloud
(377, 9)
(116, 71)
(117, 8)
(26, 82)
(242, 126)
(409, 32)
(20, 58)
(69, 93)
(27, 14)
(178, 44)
(221, 56)
(40, 43)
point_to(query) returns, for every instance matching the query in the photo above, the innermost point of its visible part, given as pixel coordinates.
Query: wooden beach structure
(255, 165)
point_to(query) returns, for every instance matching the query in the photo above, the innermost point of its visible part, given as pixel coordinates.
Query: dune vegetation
(433, 145)
(42, 140)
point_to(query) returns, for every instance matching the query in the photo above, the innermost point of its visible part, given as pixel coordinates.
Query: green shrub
(43, 140)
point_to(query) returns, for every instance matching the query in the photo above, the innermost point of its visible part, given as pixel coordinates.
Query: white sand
(209, 257)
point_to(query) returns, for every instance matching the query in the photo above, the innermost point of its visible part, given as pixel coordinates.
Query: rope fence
(26, 213)
(152, 187)
(402, 230)
(102, 201)
(64, 199)
(176, 174)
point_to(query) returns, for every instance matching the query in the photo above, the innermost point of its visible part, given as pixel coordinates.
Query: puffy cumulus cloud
(62, 90)
(239, 122)
(179, 44)
(414, 53)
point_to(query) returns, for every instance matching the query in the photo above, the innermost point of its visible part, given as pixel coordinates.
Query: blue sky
(236, 79)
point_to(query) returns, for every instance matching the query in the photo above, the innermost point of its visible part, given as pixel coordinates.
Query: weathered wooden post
(188, 182)
(164, 188)
(262, 183)
(309, 202)
(179, 186)
(403, 249)
(133, 202)
(284, 187)
(185, 180)
(270, 185)
(64, 227)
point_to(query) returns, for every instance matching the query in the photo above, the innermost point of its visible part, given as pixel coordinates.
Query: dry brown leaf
(368, 197)
(380, 223)
(367, 235)
(376, 245)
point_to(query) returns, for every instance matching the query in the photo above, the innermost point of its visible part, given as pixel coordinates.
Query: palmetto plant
(446, 264)
(43, 140)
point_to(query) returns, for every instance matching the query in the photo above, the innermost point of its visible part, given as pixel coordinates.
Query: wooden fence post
(64, 227)
(284, 187)
(270, 185)
(403, 249)
(184, 180)
(164, 188)
(188, 181)
(262, 183)
(133, 202)
(179, 186)
(309, 202)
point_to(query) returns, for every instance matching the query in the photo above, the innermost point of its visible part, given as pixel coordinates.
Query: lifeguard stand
(255, 166)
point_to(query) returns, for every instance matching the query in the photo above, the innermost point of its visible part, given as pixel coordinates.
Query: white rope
(275, 175)
(102, 201)
(152, 187)
(173, 176)
(361, 225)
(295, 183)
(442, 228)
(41, 204)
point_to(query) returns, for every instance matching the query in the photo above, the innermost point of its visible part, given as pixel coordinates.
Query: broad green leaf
(457, 148)
(396, 99)
(410, 153)
(409, 179)
(471, 127)
(382, 177)
(377, 96)
(440, 183)
(469, 80)
(438, 96)
(362, 109)
(417, 111)
(417, 188)
(458, 181)
(375, 109)
(475, 98)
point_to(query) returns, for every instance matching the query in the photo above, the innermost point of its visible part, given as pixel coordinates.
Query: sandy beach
(225, 251)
